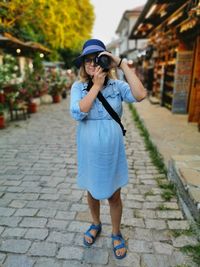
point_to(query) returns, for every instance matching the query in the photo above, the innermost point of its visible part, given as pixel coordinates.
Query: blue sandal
(97, 228)
(121, 245)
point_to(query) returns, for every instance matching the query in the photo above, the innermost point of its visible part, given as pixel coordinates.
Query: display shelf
(159, 72)
(169, 75)
(169, 94)
(169, 84)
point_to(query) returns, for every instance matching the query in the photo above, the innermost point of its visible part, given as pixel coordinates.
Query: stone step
(184, 172)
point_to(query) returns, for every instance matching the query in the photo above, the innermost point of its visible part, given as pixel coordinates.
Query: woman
(102, 164)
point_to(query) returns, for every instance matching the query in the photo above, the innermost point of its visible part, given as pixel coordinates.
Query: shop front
(173, 32)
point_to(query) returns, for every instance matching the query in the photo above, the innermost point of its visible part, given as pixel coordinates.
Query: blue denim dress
(102, 164)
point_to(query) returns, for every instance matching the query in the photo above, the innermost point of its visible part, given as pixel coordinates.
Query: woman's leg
(116, 214)
(94, 206)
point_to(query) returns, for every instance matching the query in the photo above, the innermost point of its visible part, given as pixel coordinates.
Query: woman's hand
(98, 82)
(115, 60)
(99, 77)
(137, 88)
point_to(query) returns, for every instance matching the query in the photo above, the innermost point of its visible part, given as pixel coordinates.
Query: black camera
(104, 62)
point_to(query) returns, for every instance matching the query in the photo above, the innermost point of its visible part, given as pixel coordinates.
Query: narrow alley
(43, 213)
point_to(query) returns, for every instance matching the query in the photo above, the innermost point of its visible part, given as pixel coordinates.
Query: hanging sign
(183, 72)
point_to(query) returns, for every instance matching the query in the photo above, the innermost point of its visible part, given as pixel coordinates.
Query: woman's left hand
(115, 59)
(137, 88)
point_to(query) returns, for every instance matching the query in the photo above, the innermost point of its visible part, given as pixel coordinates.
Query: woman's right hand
(98, 82)
(99, 77)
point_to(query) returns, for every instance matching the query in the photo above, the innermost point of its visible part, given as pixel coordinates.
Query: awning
(9, 42)
(155, 12)
(38, 47)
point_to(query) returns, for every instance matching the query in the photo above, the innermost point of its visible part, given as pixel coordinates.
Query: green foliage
(68, 55)
(169, 189)
(156, 158)
(37, 64)
(165, 184)
(162, 207)
(188, 232)
(8, 70)
(193, 251)
(167, 195)
(56, 82)
(56, 23)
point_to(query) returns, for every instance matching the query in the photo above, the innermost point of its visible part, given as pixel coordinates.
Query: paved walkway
(179, 143)
(43, 214)
(172, 133)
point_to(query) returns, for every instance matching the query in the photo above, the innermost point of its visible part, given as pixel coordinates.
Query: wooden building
(23, 51)
(173, 32)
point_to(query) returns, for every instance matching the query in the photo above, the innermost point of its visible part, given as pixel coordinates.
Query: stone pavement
(179, 143)
(43, 214)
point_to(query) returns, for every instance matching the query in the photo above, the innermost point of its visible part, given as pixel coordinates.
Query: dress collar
(110, 82)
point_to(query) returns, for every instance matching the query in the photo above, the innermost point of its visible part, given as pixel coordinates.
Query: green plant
(193, 251)
(56, 83)
(177, 233)
(149, 193)
(9, 70)
(165, 184)
(169, 189)
(155, 156)
(33, 84)
(12, 96)
(162, 207)
(167, 195)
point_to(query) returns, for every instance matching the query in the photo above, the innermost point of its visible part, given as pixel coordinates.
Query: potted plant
(26, 96)
(28, 90)
(55, 92)
(2, 118)
(56, 86)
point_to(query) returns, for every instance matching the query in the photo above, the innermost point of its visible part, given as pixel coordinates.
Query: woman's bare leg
(116, 215)
(94, 206)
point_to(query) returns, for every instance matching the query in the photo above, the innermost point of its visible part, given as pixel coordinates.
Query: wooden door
(194, 103)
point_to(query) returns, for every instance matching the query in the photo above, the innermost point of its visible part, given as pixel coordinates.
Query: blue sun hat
(90, 46)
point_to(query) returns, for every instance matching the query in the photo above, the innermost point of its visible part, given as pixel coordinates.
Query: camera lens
(104, 62)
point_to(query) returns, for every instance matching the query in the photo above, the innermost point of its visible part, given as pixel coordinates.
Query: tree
(60, 24)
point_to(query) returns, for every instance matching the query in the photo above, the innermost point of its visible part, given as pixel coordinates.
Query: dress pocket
(113, 97)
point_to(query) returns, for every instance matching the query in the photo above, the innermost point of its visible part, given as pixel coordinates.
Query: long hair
(84, 77)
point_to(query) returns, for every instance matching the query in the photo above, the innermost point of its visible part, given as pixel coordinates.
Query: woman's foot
(91, 234)
(119, 247)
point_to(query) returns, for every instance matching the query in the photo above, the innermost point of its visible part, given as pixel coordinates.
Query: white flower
(7, 78)
(16, 67)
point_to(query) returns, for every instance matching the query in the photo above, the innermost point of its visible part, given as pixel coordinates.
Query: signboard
(183, 72)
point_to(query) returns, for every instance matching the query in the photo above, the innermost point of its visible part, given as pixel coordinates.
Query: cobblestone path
(43, 214)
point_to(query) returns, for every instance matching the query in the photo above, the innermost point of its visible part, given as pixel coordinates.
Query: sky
(108, 14)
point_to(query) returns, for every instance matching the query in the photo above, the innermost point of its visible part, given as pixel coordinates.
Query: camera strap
(108, 107)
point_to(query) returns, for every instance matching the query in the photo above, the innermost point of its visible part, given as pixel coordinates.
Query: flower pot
(2, 98)
(56, 98)
(2, 122)
(32, 108)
